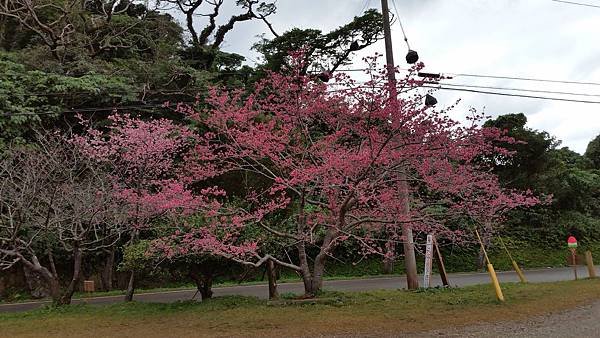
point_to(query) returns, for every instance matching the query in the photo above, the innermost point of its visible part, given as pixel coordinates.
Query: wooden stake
(574, 260)
(590, 264)
(440, 263)
(272, 276)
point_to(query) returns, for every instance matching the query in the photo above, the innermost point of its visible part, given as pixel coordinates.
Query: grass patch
(376, 312)
(459, 260)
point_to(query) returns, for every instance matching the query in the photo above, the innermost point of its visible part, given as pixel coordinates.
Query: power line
(367, 2)
(400, 22)
(492, 77)
(503, 88)
(576, 3)
(520, 89)
(96, 109)
(513, 95)
(524, 79)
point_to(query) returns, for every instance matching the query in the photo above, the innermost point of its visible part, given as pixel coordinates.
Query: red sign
(572, 242)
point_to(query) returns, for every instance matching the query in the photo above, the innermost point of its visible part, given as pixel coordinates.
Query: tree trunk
(37, 282)
(107, 272)
(131, 284)
(68, 294)
(130, 287)
(312, 285)
(390, 257)
(54, 288)
(313, 282)
(410, 262)
(206, 290)
(203, 280)
(272, 274)
(52, 265)
(480, 260)
(481, 257)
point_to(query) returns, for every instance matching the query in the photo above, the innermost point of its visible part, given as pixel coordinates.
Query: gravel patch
(583, 321)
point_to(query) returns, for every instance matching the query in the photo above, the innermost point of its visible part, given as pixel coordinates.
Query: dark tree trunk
(52, 265)
(66, 297)
(272, 275)
(481, 257)
(54, 287)
(107, 271)
(388, 265)
(206, 290)
(203, 280)
(37, 283)
(130, 287)
(131, 284)
(480, 260)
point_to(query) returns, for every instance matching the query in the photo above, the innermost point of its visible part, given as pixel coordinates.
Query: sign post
(428, 262)
(572, 244)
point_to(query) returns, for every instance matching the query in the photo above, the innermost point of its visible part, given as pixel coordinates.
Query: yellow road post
(491, 270)
(514, 263)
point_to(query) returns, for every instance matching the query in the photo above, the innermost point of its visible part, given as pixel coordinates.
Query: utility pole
(410, 262)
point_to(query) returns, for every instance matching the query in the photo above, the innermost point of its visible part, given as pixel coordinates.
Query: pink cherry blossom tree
(345, 162)
(143, 157)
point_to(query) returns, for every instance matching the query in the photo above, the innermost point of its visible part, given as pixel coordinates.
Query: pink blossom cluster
(347, 164)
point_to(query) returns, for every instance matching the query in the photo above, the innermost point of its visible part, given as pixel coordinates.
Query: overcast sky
(518, 38)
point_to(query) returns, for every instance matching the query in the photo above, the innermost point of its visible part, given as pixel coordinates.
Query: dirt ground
(560, 309)
(583, 321)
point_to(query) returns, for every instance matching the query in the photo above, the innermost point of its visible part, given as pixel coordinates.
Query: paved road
(261, 291)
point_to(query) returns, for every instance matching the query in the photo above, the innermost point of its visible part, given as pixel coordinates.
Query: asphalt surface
(379, 283)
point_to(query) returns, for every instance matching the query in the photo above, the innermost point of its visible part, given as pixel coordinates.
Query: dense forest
(102, 93)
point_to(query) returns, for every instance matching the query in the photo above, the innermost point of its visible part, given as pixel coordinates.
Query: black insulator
(412, 56)
(324, 77)
(429, 75)
(430, 100)
(354, 46)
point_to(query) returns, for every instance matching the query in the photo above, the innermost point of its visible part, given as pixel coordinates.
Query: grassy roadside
(456, 261)
(287, 279)
(377, 312)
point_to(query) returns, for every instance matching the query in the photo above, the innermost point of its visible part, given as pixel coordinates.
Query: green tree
(593, 152)
(530, 152)
(31, 98)
(567, 176)
(324, 52)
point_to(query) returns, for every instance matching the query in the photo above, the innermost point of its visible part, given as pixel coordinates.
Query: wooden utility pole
(410, 262)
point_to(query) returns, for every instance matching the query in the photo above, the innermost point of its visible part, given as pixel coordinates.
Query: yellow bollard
(519, 272)
(491, 270)
(514, 263)
(590, 264)
(494, 278)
